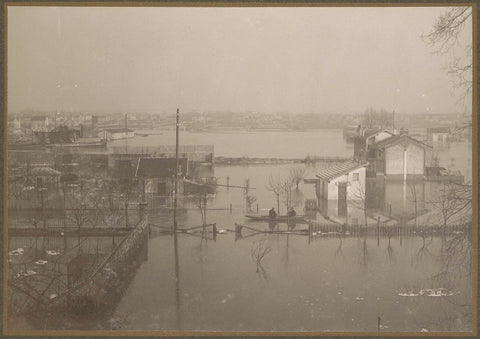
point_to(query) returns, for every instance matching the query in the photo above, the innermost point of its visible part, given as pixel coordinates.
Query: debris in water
(359, 298)
(222, 231)
(41, 262)
(424, 330)
(411, 294)
(18, 251)
(53, 252)
(26, 274)
(53, 296)
(436, 292)
(430, 292)
(229, 297)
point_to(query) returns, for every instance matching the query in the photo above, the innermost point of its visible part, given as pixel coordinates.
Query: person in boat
(272, 214)
(291, 212)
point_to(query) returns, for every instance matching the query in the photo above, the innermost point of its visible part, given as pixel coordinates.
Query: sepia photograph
(228, 168)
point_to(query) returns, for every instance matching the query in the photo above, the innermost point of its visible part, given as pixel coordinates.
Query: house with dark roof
(399, 156)
(157, 174)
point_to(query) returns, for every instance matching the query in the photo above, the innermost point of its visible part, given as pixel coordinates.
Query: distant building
(438, 134)
(365, 139)
(399, 156)
(157, 174)
(39, 123)
(116, 134)
(43, 176)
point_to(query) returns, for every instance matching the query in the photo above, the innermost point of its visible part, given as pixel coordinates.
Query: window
(355, 176)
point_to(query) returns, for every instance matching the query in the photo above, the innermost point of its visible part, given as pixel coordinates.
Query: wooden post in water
(230, 208)
(378, 231)
(228, 183)
(378, 324)
(214, 231)
(309, 231)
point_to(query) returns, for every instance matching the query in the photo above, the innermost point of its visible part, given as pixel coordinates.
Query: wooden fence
(387, 230)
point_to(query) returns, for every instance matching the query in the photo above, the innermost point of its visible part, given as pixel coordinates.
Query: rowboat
(278, 219)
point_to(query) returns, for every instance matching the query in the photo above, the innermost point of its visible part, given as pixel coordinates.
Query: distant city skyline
(266, 60)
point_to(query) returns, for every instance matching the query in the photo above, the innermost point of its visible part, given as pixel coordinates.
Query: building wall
(354, 189)
(415, 160)
(394, 160)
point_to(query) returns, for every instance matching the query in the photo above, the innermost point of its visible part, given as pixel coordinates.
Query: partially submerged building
(157, 175)
(335, 185)
(398, 157)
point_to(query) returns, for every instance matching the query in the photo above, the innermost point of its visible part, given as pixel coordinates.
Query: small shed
(43, 176)
(344, 179)
(338, 184)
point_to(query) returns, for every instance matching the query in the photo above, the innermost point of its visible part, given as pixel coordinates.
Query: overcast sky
(226, 59)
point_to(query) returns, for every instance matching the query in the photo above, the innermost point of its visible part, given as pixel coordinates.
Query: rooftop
(336, 171)
(160, 167)
(397, 139)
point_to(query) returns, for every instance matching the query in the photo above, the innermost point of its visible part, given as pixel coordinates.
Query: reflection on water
(42, 269)
(258, 281)
(281, 283)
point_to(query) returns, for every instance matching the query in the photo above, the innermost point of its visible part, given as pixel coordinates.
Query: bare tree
(297, 174)
(361, 201)
(258, 252)
(275, 185)
(249, 200)
(445, 38)
(452, 200)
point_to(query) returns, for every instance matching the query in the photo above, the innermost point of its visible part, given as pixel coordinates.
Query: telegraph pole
(175, 241)
(176, 173)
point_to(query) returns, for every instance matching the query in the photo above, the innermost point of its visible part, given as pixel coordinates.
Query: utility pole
(175, 241)
(176, 173)
(393, 122)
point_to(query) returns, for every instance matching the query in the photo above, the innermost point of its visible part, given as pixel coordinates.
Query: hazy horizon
(267, 60)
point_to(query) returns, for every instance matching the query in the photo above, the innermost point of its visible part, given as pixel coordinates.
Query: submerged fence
(387, 230)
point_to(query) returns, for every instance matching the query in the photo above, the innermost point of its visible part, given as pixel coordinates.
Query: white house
(338, 184)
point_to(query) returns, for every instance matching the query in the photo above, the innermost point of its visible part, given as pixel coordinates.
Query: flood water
(302, 283)
(331, 284)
